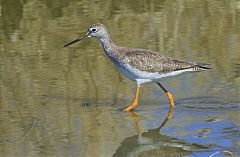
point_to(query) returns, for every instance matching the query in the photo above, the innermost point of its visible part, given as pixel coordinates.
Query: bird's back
(149, 61)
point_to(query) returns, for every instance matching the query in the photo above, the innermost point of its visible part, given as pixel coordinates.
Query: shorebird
(140, 65)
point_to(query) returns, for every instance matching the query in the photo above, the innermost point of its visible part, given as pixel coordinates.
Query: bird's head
(96, 30)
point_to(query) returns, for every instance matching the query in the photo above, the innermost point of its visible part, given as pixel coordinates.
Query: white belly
(144, 76)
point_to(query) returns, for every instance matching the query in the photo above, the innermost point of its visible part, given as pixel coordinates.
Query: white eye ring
(93, 30)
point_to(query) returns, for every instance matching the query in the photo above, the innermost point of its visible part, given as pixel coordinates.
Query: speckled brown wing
(146, 60)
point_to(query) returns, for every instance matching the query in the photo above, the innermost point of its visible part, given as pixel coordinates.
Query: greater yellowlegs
(141, 65)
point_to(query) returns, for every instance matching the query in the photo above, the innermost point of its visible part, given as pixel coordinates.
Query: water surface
(57, 101)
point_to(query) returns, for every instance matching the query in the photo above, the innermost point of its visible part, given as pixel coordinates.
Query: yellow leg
(171, 99)
(135, 102)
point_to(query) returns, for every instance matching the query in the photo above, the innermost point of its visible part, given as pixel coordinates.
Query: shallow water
(59, 101)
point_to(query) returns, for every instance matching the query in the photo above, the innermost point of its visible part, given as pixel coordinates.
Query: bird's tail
(200, 67)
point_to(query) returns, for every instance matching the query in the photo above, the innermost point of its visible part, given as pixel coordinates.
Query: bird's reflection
(138, 126)
(153, 144)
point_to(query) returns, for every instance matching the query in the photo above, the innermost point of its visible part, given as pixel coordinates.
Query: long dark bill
(77, 40)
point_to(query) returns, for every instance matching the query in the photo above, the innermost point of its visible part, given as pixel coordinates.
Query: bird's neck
(107, 44)
(110, 49)
(106, 40)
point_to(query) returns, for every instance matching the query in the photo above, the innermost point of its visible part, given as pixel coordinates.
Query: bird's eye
(94, 30)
